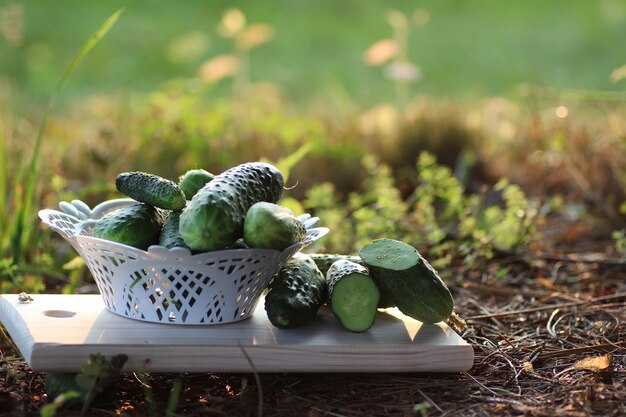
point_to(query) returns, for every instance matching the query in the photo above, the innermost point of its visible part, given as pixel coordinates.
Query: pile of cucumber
(386, 273)
(204, 212)
(238, 208)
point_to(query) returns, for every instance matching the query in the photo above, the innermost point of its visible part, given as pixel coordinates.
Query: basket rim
(185, 252)
(83, 216)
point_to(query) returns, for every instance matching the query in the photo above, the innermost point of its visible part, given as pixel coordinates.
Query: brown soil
(549, 340)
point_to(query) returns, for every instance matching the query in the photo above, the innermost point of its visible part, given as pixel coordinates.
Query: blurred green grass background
(467, 49)
(529, 92)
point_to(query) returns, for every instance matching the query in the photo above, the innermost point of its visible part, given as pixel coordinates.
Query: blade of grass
(172, 402)
(143, 379)
(287, 164)
(257, 378)
(22, 226)
(4, 180)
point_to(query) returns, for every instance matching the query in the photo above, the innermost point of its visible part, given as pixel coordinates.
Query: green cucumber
(353, 295)
(214, 217)
(270, 226)
(151, 189)
(137, 225)
(170, 235)
(409, 281)
(193, 180)
(296, 293)
(325, 260)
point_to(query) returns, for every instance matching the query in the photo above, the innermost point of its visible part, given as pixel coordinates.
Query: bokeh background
(469, 128)
(462, 48)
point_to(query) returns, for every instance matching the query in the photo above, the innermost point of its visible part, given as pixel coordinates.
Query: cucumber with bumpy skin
(296, 293)
(353, 295)
(214, 217)
(137, 225)
(151, 189)
(325, 260)
(170, 235)
(193, 180)
(270, 226)
(408, 280)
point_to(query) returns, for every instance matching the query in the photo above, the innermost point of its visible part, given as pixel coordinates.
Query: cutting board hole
(59, 314)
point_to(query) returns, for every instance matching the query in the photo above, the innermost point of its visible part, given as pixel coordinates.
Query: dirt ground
(549, 340)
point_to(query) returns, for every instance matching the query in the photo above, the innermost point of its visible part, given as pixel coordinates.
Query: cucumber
(409, 281)
(325, 260)
(137, 225)
(270, 226)
(353, 295)
(170, 235)
(151, 189)
(193, 180)
(296, 293)
(214, 217)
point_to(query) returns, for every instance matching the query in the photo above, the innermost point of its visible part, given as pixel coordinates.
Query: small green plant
(380, 209)
(437, 202)
(151, 401)
(421, 408)
(619, 236)
(439, 216)
(471, 226)
(60, 401)
(377, 211)
(71, 389)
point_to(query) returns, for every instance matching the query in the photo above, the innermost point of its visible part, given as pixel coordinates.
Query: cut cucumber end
(390, 254)
(354, 301)
(285, 316)
(408, 280)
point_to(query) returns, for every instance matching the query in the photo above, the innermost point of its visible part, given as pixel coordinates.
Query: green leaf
(75, 263)
(98, 374)
(173, 399)
(286, 165)
(50, 410)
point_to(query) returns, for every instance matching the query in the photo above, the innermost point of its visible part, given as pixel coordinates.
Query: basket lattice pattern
(173, 286)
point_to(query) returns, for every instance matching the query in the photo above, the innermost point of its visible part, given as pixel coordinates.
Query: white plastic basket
(171, 286)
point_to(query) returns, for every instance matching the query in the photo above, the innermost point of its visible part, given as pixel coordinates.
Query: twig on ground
(427, 398)
(548, 307)
(575, 351)
(576, 259)
(256, 378)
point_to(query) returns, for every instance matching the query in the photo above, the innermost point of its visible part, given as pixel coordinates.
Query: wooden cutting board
(58, 332)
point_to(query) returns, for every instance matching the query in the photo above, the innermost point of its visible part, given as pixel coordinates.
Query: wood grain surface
(58, 332)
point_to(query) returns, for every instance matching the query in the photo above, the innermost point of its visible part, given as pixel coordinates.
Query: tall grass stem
(172, 402)
(4, 181)
(22, 230)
